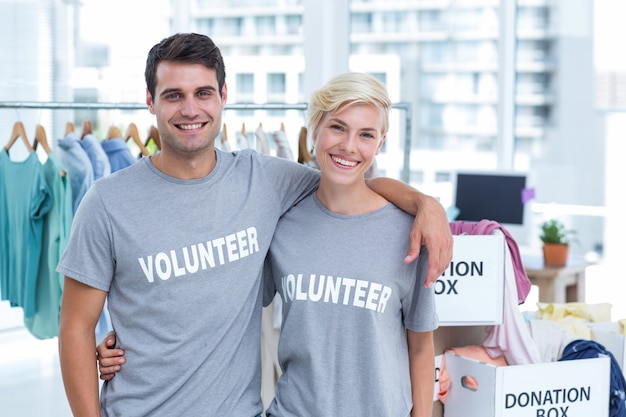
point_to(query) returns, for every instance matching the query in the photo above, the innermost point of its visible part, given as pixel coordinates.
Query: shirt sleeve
(292, 181)
(88, 257)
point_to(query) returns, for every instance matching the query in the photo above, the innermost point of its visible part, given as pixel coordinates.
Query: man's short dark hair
(191, 48)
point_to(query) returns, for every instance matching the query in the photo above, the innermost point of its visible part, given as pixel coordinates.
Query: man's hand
(110, 360)
(432, 229)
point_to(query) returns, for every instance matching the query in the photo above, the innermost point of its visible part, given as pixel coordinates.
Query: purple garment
(486, 227)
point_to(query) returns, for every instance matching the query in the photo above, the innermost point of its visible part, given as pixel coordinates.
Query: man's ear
(224, 95)
(149, 101)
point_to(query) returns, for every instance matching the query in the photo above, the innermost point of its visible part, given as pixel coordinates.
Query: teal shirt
(44, 324)
(26, 200)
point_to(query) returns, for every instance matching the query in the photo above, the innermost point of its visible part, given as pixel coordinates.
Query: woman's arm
(422, 366)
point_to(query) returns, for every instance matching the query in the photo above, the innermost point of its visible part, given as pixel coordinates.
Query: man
(177, 243)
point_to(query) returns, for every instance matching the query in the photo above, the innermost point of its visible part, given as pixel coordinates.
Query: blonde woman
(357, 332)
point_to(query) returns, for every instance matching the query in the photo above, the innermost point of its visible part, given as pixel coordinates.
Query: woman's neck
(349, 199)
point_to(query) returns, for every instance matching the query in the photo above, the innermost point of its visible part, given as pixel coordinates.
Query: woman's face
(347, 142)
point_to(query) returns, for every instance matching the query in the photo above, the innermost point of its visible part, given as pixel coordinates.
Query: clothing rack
(67, 105)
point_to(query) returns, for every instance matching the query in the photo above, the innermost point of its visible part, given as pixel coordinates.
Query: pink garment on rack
(486, 227)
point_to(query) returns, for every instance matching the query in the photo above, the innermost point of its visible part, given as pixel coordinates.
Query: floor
(30, 379)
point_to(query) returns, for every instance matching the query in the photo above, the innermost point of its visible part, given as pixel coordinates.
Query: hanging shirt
(283, 150)
(26, 201)
(44, 324)
(118, 153)
(78, 165)
(262, 144)
(99, 159)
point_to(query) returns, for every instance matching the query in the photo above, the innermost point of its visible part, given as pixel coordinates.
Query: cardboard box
(577, 388)
(609, 335)
(471, 291)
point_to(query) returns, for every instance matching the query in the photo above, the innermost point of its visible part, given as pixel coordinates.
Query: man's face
(188, 106)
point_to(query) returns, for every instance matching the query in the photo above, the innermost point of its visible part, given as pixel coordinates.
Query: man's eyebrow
(206, 87)
(169, 91)
(178, 90)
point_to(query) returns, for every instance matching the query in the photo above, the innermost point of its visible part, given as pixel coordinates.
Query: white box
(576, 388)
(609, 335)
(471, 291)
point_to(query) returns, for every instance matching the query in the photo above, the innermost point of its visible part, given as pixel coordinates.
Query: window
(276, 83)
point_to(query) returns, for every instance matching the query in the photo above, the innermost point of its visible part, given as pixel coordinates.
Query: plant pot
(555, 254)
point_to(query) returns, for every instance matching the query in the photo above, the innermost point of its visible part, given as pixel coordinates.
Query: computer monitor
(493, 195)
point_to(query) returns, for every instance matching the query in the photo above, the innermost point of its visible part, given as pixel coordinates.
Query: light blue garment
(26, 201)
(44, 324)
(78, 165)
(119, 154)
(99, 159)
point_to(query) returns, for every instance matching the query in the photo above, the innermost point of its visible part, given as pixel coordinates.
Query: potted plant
(556, 239)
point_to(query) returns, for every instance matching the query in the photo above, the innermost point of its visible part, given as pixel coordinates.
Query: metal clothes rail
(67, 105)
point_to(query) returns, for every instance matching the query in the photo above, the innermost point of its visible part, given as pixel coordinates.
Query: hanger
(18, 131)
(282, 127)
(114, 133)
(224, 133)
(153, 134)
(303, 153)
(40, 137)
(87, 129)
(69, 128)
(243, 130)
(133, 133)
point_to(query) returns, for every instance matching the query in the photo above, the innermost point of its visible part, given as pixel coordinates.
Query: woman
(357, 332)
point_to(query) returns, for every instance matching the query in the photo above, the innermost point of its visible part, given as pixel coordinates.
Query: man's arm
(81, 306)
(422, 367)
(431, 227)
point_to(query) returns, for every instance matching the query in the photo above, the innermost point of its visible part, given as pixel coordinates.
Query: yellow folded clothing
(622, 323)
(588, 312)
(573, 316)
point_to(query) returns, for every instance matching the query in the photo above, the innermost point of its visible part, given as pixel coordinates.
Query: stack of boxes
(471, 295)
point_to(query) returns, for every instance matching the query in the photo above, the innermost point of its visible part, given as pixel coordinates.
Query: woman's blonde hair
(345, 90)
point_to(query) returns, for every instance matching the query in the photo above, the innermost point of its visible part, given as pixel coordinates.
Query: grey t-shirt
(348, 299)
(182, 262)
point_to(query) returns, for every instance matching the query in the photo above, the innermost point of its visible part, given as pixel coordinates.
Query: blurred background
(530, 88)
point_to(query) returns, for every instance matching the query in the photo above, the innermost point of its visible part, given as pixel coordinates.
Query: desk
(557, 284)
